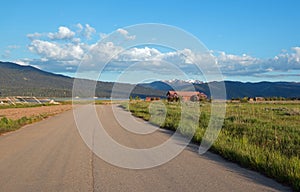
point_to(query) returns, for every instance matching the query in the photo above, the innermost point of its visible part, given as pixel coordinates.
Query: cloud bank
(63, 51)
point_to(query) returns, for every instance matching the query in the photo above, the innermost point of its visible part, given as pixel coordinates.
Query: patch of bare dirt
(17, 113)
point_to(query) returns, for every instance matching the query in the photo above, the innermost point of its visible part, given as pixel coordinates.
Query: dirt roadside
(17, 113)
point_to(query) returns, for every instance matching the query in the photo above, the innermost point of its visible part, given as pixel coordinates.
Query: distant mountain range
(233, 89)
(26, 81)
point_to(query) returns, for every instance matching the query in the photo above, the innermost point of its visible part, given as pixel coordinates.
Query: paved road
(51, 156)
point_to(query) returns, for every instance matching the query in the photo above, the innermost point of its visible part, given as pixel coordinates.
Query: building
(185, 96)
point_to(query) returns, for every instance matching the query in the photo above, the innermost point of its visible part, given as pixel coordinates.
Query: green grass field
(263, 137)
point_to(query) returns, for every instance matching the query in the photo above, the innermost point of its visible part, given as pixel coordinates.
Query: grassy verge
(8, 125)
(263, 137)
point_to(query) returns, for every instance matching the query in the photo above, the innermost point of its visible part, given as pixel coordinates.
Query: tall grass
(262, 137)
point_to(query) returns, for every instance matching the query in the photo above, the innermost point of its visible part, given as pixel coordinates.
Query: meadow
(261, 136)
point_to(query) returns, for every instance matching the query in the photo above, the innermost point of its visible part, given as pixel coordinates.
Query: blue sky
(242, 35)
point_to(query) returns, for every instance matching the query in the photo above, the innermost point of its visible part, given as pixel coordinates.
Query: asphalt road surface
(51, 156)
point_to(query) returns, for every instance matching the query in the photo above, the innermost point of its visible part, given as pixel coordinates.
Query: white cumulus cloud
(55, 51)
(89, 31)
(63, 33)
(139, 54)
(34, 36)
(126, 34)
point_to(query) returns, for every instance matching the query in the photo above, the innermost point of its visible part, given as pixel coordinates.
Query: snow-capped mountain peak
(178, 81)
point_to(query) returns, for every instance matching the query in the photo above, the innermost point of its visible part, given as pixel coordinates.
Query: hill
(18, 80)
